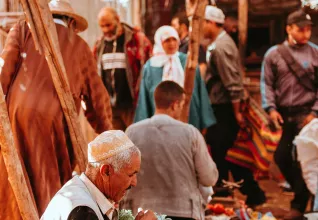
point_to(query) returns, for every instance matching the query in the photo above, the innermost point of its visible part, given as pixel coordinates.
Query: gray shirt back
(174, 161)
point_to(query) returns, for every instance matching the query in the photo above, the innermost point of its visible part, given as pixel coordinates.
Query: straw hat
(108, 144)
(63, 7)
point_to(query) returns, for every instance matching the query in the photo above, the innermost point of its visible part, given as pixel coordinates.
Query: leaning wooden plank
(44, 31)
(196, 9)
(14, 165)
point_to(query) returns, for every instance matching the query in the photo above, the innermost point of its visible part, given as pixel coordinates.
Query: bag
(256, 143)
(295, 67)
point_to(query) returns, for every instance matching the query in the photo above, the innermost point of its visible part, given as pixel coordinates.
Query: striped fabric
(256, 143)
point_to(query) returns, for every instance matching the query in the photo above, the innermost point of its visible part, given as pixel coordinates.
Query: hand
(240, 119)
(276, 118)
(308, 119)
(147, 215)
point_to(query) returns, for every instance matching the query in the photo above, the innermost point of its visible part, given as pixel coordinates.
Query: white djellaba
(307, 153)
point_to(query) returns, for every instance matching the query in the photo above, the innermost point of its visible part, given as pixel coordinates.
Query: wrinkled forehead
(107, 18)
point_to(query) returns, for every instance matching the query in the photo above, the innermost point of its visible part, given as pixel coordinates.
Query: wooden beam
(3, 33)
(44, 34)
(10, 13)
(242, 27)
(196, 9)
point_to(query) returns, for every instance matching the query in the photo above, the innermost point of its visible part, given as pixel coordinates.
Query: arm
(144, 53)
(315, 106)
(268, 92)
(205, 167)
(227, 62)
(98, 110)
(143, 109)
(267, 84)
(82, 213)
(10, 56)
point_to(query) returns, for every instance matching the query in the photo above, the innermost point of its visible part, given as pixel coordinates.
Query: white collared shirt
(59, 21)
(103, 203)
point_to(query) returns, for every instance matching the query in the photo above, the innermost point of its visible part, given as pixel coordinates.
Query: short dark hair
(166, 93)
(182, 18)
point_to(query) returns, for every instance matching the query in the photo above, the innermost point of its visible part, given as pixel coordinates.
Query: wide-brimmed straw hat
(63, 7)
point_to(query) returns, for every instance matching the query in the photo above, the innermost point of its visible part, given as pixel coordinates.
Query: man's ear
(174, 105)
(105, 169)
(288, 29)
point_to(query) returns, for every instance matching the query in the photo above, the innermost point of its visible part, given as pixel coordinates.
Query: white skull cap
(108, 144)
(215, 14)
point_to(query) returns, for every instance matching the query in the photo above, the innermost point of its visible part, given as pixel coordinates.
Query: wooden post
(44, 34)
(242, 27)
(196, 9)
(14, 166)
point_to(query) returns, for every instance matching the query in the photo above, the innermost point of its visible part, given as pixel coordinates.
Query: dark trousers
(286, 158)
(221, 137)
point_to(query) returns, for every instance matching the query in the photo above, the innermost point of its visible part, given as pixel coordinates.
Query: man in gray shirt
(175, 160)
(290, 103)
(226, 93)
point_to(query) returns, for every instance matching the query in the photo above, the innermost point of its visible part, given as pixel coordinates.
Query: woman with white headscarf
(169, 64)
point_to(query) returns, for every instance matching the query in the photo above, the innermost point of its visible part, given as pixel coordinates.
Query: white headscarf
(172, 68)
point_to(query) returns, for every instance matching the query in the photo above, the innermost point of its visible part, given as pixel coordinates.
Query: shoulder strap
(296, 68)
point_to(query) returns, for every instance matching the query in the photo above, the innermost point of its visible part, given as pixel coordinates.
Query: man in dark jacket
(289, 101)
(120, 53)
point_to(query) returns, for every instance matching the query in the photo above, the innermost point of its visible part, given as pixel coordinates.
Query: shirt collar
(184, 40)
(212, 46)
(104, 204)
(296, 46)
(59, 21)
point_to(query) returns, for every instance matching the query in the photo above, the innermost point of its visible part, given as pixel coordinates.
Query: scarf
(172, 68)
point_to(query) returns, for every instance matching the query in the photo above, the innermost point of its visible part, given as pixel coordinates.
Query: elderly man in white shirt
(113, 162)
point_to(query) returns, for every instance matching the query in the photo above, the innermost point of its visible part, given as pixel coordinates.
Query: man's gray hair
(120, 160)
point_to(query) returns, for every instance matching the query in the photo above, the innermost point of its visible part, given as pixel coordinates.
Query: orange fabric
(38, 124)
(255, 144)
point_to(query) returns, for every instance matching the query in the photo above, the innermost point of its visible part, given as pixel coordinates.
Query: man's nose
(105, 30)
(134, 180)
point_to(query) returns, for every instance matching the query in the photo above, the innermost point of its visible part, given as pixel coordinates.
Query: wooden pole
(242, 27)
(13, 164)
(44, 34)
(196, 9)
(3, 33)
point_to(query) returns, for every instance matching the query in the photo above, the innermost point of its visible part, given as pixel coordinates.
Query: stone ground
(278, 202)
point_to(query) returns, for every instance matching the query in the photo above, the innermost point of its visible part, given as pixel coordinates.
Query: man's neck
(218, 32)
(166, 112)
(293, 43)
(184, 35)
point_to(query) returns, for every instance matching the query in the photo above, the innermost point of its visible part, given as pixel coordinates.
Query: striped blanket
(256, 143)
